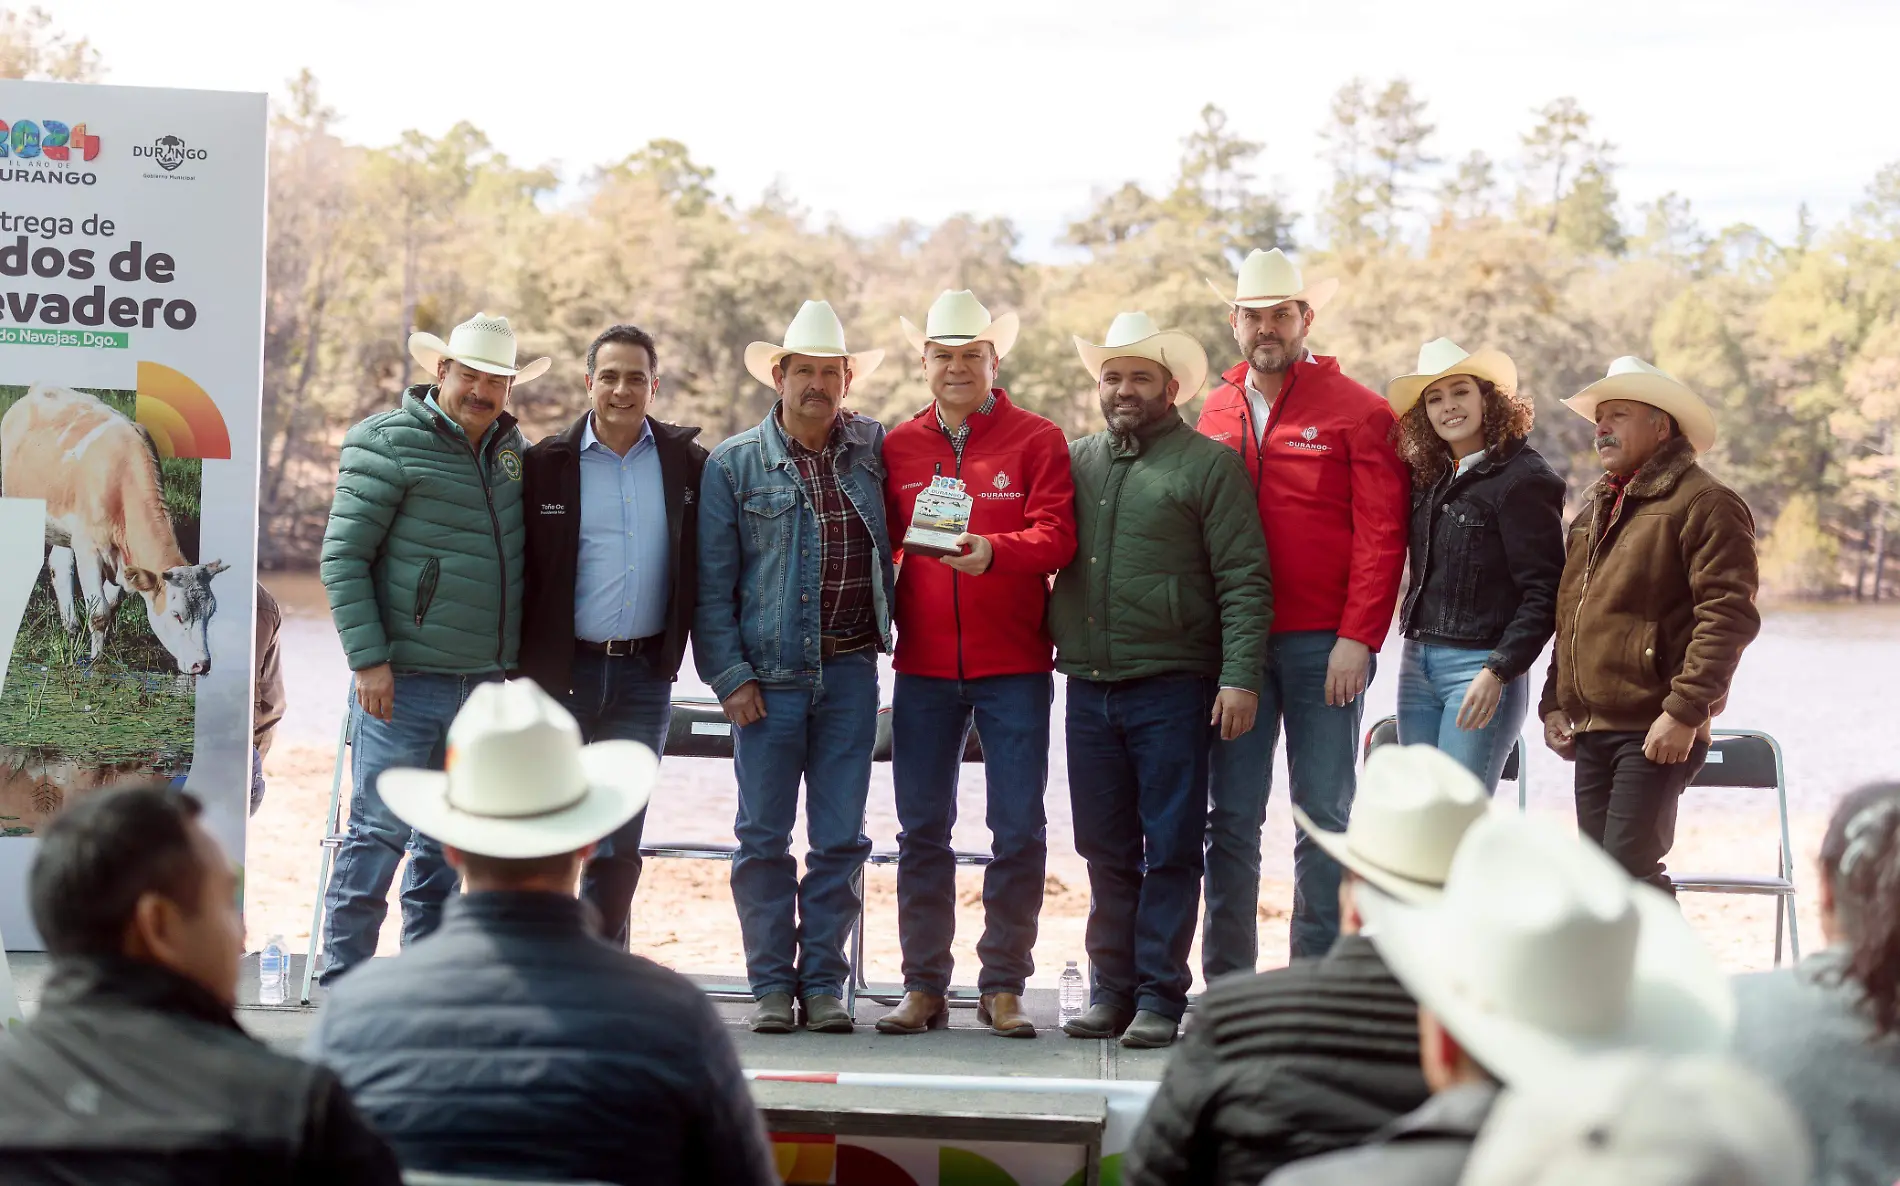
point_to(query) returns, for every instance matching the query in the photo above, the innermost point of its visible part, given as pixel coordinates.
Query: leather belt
(831, 645)
(622, 648)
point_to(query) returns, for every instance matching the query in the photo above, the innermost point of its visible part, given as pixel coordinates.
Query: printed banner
(131, 350)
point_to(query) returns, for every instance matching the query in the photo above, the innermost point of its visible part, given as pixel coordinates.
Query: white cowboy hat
(1414, 805)
(1135, 335)
(957, 318)
(1441, 357)
(518, 782)
(815, 332)
(1543, 949)
(482, 342)
(1267, 278)
(1632, 378)
(1632, 1119)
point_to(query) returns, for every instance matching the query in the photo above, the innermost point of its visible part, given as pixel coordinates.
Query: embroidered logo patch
(1000, 481)
(510, 464)
(1308, 433)
(554, 508)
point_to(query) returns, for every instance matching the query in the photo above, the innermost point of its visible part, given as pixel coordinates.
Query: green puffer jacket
(422, 558)
(1170, 571)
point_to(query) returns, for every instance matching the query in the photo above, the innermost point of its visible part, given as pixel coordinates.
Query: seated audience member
(1828, 1030)
(1540, 950)
(1637, 1120)
(1314, 1057)
(134, 1070)
(513, 1042)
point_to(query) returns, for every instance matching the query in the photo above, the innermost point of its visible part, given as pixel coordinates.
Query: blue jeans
(621, 699)
(1432, 683)
(795, 930)
(930, 720)
(355, 901)
(1322, 746)
(1138, 756)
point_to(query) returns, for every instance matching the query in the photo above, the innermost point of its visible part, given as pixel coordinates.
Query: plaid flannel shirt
(847, 561)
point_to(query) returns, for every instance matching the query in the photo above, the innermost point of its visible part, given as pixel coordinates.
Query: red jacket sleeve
(1381, 511)
(1048, 542)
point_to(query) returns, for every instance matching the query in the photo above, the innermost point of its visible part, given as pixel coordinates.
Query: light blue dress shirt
(621, 577)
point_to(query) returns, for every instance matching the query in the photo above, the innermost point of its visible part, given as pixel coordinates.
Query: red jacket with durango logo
(1016, 470)
(1335, 499)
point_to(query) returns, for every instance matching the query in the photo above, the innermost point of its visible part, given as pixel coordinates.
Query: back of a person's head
(100, 856)
(1631, 1119)
(1860, 857)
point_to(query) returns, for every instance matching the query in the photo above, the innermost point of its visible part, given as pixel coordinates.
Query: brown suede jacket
(1657, 599)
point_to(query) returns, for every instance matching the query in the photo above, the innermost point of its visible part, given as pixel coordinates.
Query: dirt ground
(683, 914)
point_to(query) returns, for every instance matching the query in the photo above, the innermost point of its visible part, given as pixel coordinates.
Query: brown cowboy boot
(917, 1012)
(1003, 1013)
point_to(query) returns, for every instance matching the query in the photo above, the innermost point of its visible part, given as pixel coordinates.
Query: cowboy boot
(1097, 1021)
(1003, 1013)
(1150, 1031)
(917, 1012)
(825, 1014)
(772, 1015)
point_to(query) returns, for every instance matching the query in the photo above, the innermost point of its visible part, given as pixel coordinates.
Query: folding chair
(1748, 759)
(956, 997)
(1385, 731)
(326, 848)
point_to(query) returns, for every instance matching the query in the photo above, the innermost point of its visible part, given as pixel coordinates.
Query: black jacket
(552, 507)
(133, 1075)
(1287, 1064)
(513, 1043)
(1428, 1146)
(1487, 552)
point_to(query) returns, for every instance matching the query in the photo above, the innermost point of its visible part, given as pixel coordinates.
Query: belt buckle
(619, 648)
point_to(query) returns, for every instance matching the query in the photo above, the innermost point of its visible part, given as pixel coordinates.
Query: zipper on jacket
(1583, 590)
(956, 601)
(501, 554)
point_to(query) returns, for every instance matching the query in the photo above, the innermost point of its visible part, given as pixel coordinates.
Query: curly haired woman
(1829, 1030)
(1487, 549)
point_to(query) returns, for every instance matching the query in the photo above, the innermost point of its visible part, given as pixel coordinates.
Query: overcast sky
(879, 111)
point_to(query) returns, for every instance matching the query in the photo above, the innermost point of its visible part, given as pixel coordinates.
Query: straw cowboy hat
(485, 343)
(518, 782)
(1632, 378)
(1268, 277)
(816, 333)
(1135, 335)
(1442, 357)
(958, 318)
(1542, 949)
(1414, 805)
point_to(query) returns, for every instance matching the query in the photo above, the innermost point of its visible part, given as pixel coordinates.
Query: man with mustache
(1160, 623)
(1334, 500)
(613, 565)
(794, 608)
(1656, 603)
(422, 564)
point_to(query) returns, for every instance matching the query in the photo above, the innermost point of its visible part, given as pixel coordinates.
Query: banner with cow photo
(131, 348)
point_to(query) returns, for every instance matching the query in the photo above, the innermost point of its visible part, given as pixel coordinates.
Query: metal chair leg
(327, 848)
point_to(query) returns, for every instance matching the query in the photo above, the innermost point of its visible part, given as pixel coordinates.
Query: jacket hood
(115, 981)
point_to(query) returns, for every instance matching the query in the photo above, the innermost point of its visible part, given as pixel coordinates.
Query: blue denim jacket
(759, 568)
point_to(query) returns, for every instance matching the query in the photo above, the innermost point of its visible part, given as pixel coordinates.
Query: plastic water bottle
(271, 972)
(1072, 995)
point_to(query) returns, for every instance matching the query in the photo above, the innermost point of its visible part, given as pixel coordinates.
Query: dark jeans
(355, 901)
(1627, 803)
(618, 699)
(1138, 755)
(930, 721)
(794, 930)
(1322, 749)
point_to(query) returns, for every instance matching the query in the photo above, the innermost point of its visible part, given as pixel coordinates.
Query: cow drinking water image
(106, 525)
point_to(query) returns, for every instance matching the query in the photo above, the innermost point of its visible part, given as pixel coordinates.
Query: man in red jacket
(971, 643)
(1334, 500)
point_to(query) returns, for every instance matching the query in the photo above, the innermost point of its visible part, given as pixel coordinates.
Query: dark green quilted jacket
(422, 558)
(1170, 570)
